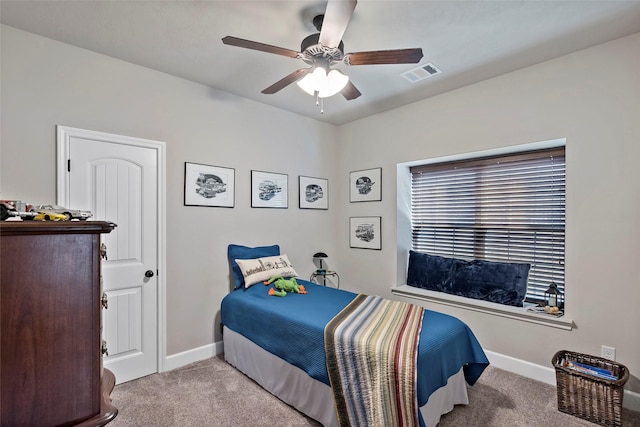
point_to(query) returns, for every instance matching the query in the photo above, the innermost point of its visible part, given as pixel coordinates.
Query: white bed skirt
(312, 397)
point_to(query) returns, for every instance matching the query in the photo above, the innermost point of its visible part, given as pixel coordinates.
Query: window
(499, 208)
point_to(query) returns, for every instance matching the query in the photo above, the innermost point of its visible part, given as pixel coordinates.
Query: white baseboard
(184, 358)
(631, 400)
(547, 375)
(522, 367)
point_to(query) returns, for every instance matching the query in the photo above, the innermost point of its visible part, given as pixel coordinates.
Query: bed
(280, 343)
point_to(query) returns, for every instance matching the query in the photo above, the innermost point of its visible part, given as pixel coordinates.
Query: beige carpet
(213, 393)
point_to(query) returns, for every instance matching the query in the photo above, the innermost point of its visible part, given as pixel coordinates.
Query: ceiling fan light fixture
(323, 83)
(313, 80)
(336, 82)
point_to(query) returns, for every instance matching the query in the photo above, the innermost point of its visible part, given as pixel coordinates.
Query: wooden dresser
(50, 356)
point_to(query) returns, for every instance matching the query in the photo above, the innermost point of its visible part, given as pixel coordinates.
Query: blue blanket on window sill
(499, 282)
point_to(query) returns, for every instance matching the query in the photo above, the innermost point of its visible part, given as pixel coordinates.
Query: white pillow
(260, 269)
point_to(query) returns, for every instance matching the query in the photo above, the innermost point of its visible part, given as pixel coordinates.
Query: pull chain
(319, 101)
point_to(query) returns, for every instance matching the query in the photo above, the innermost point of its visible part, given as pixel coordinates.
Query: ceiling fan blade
(350, 92)
(234, 41)
(336, 19)
(396, 56)
(282, 83)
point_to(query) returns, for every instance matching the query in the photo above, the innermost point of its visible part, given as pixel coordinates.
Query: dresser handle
(103, 251)
(104, 349)
(104, 301)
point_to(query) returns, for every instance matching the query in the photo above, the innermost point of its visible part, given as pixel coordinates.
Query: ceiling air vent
(420, 73)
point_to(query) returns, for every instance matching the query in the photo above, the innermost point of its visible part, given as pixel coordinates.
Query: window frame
(507, 207)
(439, 299)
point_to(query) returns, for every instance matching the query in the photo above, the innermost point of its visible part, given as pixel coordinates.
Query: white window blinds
(503, 208)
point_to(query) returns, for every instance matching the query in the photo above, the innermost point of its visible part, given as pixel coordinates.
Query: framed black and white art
(314, 193)
(269, 190)
(206, 185)
(365, 185)
(365, 232)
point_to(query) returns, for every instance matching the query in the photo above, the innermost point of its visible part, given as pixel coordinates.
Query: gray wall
(591, 98)
(46, 83)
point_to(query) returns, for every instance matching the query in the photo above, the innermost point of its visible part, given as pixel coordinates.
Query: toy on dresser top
(16, 210)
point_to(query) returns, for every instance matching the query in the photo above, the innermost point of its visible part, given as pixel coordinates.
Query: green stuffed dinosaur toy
(284, 285)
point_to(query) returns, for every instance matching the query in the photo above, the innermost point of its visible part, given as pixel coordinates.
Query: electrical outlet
(608, 352)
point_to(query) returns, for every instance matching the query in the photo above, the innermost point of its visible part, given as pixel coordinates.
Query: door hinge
(68, 165)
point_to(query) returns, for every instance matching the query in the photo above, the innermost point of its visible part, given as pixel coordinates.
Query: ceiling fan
(322, 50)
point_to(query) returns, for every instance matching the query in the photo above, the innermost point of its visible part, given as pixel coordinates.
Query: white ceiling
(469, 41)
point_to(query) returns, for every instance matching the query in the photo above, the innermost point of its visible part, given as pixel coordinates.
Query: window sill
(517, 313)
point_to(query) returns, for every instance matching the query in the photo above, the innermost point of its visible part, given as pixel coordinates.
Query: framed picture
(366, 185)
(206, 185)
(314, 193)
(269, 190)
(365, 232)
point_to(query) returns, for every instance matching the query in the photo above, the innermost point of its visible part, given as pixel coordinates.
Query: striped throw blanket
(371, 348)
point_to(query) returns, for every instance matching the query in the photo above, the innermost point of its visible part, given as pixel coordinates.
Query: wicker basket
(589, 397)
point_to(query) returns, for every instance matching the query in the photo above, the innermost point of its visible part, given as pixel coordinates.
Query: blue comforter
(292, 328)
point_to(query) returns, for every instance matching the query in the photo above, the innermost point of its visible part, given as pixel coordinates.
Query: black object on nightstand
(324, 274)
(321, 272)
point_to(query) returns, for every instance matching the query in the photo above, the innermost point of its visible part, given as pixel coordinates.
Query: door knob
(148, 273)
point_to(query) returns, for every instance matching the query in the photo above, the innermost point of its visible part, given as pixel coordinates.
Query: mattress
(292, 329)
(315, 399)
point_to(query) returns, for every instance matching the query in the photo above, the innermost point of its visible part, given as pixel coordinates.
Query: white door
(117, 179)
